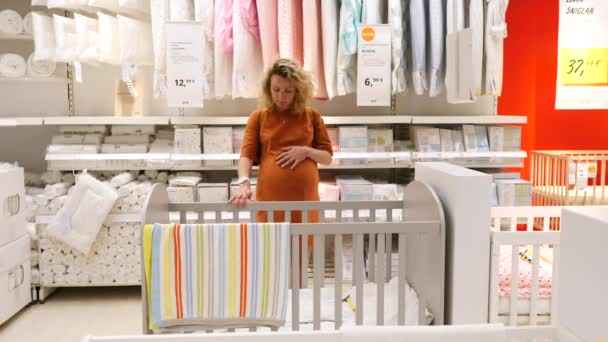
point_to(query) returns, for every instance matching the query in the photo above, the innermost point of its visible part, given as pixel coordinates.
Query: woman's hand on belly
(292, 156)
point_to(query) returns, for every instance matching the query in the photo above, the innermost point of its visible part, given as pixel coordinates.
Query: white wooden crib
(455, 333)
(420, 246)
(532, 252)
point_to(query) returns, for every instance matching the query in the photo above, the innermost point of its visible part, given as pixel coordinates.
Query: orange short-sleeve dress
(267, 132)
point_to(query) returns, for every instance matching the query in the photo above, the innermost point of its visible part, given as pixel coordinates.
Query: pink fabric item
(249, 17)
(290, 29)
(524, 285)
(269, 36)
(313, 46)
(225, 25)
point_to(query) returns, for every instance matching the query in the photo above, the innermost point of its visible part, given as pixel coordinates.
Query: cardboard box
(353, 139)
(217, 140)
(213, 192)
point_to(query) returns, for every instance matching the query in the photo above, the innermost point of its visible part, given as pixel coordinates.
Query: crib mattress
(591, 195)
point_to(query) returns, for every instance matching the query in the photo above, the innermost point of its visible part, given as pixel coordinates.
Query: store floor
(71, 313)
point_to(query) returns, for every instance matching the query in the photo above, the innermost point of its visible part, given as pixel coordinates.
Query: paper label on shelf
(592, 169)
(78, 72)
(582, 175)
(374, 66)
(582, 59)
(184, 65)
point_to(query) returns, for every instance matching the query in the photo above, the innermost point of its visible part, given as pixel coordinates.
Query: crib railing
(420, 246)
(531, 218)
(554, 176)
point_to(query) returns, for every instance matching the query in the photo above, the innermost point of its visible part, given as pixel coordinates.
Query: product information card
(184, 65)
(374, 66)
(582, 59)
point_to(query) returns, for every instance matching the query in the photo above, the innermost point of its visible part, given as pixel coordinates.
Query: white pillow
(81, 217)
(135, 41)
(44, 37)
(87, 39)
(109, 51)
(65, 39)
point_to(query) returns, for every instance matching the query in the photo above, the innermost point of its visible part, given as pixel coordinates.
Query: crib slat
(422, 291)
(494, 285)
(514, 285)
(389, 215)
(380, 281)
(319, 275)
(201, 217)
(339, 215)
(546, 223)
(534, 294)
(182, 217)
(401, 280)
(295, 283)
(271, 216)
(287, 215)
(555, 287)
(321, 216)
(218, 216)
(530, 225)
(371, 252)
(338, 281)
(253, 216)
(358, 276)
(389, 259)
(304, 268)
(236, 216)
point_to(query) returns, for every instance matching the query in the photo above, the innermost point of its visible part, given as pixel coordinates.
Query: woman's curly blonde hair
(292, 71)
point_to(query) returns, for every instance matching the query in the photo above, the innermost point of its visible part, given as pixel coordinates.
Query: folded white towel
(185, 181)
(10, 22)
(133, 130)
(83, 129)
(44, 37)
(27, 24)
(40, 68)
(12, 65)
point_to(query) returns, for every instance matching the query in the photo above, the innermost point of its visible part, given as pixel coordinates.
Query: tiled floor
(71, 313)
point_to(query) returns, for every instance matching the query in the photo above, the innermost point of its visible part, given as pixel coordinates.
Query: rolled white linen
(11, 22)
(56, 203)
(68, 178)
(142, 189)
(40, 68)
(41, 200)
(143, 178)
(51, 177)
(56, 190)
(127, 189)
(162, 177)
(44, 37)
(33, 179)
(27, 24)
(122, 179)
(68, 259)
(151, 173)
(130, 200)
(12, 65)
(58, 269)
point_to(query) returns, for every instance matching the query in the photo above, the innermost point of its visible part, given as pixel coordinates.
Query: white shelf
(8, 36)
(241, 120)
(35, 80)
(368, 120)
(13, 122)
(167, 161)
(106, 120)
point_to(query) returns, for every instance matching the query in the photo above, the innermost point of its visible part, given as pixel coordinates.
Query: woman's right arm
(244, 193)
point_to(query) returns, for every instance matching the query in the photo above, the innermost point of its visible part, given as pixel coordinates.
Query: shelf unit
(164, 161)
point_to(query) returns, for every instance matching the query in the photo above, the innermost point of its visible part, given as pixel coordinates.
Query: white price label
(184, 65)
(582, 176)
(374, 66)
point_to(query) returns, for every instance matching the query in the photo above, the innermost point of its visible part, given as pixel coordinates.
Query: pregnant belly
(283, 184)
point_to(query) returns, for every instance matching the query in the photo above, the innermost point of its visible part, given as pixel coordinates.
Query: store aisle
(71, 313)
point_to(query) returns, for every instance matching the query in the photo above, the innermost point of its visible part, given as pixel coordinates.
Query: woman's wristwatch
(242, 179)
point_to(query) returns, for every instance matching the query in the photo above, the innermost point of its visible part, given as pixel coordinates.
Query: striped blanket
(217, 275)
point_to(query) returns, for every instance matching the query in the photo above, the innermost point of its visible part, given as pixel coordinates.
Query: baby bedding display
(247, 69)
(329, 34)
(437, 43)
(313, 46)
(398, 12)
(27, 24)
(217, 140)
(418, 41)
(44, 37)
(65, 39)
(346, 70)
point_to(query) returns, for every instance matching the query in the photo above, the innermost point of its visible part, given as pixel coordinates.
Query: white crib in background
(538, 222)
(420, 247)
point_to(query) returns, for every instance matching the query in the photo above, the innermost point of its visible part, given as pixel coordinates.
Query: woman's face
(283, 92)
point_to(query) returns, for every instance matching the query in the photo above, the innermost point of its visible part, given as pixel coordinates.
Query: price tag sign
(374, 66)
(184, 65)
(587, 67)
